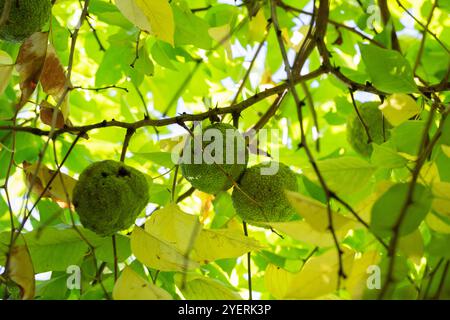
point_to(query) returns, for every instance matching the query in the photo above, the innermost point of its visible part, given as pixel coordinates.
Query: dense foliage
(130, 81)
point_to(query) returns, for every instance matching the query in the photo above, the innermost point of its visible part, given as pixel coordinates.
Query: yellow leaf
(277, 281)
(356, 282)
(429, 173)
(412, 246)
(173, 144)
(257, 27)
(174, 226)
(399, 107)
(318, 277)
(316, 213)
(6, 68)
(446, 150)
(198, 287)
(441, 198)
(21, 270)
(437, 224)
(184, 234)
(155, 17)
(157, 253)
(304, 232)
(130, 286)
(221, 244)
(222, 35)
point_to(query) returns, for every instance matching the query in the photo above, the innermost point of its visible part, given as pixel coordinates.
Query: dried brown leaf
(53, 77)
(29, 64)
(46, 115)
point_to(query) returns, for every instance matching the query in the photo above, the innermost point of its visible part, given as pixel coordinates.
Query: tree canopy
(352, 96)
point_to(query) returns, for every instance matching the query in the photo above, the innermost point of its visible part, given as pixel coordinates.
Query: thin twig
(423, 152)
(442, 282)
(363, 122)
(100, 88)
(238, 107)
(423, 26)
(94, 32)
(249, 263)
(424, 34)
(319, 32)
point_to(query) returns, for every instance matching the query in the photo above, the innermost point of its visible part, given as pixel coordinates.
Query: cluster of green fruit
(257, 197)
(25, 18)
(109, 195)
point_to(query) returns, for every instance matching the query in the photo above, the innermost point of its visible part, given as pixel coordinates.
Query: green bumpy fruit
(269, 202)
(378, 128)
(214, 176)
(109, 196)
(25, 18)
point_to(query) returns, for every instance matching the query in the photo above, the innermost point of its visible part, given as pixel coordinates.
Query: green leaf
(190, 29)
(164, 54)
(55, 250)
(107, 12)
(389, 71)
(198, 287)
(110, 70)
(344, 175)
(407, 136)
(385, 156)
(144, 64)
(130, 286)
(387, 209)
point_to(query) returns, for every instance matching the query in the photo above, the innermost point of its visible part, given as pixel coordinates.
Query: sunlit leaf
(315, 214)
(130, 286)
(388, 69)
(21, 270)
(305, 232)
(154, 16)
(6, 69)
(198, 287)
(385, 157)
(157, 253)
(344, 175)
(398, 108)
(318, 277)
(356, 283)
(187, 236)
(174, 226)
(441, 197)
(222, 243)
(221, 35)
